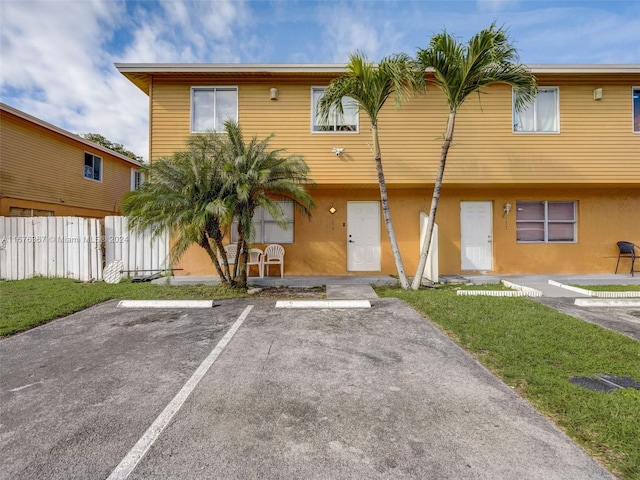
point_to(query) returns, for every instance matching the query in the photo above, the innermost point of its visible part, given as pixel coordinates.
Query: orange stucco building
(548, 190)
(47, 171)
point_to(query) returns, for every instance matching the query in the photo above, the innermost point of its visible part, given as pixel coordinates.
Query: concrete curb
(518, 291)
(607, 302)
(323, 304)
(165, 304)
(593, 293)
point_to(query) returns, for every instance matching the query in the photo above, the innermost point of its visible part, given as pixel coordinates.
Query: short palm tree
(256, 176)
(369, 86)
(460, 70)
(197, 193)
(183, 194)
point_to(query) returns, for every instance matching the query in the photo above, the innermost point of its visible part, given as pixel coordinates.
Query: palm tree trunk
(206, 245)
(404, 283)
(213, 232)
(435, 199)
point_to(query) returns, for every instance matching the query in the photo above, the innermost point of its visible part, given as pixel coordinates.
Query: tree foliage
(198, 192)
(116, 147)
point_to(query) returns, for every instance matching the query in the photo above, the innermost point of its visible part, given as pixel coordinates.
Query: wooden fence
(74, 247)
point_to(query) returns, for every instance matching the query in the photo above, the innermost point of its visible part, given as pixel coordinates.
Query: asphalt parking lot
(374, 393)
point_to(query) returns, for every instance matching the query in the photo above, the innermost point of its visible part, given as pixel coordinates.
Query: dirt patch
(291, 292)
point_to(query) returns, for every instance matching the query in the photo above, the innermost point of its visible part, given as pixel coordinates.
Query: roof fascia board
(301, 68)
(294, 68)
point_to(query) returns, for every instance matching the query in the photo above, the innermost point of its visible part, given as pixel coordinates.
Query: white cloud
(57, 64)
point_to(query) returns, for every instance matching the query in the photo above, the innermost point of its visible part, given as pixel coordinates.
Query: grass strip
(32, 302)
(536, 349)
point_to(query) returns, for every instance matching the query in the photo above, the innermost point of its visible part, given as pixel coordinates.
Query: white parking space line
(129, 462)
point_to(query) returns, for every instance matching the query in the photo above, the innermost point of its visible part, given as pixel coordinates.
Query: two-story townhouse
(547, 190)
(48, 171)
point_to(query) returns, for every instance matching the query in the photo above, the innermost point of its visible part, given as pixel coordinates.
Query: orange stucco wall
(604, 217)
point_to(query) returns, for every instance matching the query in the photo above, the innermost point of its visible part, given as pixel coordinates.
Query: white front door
(363, 236)
(476, 232)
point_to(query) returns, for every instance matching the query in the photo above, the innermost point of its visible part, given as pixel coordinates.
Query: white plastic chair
(274, 255)
(232, 252)
(255, 258)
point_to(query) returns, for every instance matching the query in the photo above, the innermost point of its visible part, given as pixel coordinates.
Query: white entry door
(476, 231)
(363, 236)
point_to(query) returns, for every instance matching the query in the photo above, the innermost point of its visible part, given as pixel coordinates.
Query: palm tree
(369, 86)
(460, 70)
(197, 193)
(184, 194)
(258, 177)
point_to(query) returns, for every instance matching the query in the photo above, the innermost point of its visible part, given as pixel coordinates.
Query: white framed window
(137, 177)
(345, 123)
(211, 107)
(92, 167)
(542, 115)
(546, 222)
(267, 230)
(635, 96)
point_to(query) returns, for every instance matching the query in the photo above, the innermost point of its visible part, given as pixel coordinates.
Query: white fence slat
(138, 251)
(96, 249)
(72, 247)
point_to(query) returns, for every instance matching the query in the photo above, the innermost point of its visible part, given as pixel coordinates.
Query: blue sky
(56, 56)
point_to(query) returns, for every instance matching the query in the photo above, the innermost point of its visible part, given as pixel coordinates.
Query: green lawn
(536, 349)
(29, 303)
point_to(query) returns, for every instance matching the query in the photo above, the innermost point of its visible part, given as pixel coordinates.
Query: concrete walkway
(287, 281)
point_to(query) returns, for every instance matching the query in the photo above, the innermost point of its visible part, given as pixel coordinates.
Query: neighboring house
(548, 190)
(47, 171)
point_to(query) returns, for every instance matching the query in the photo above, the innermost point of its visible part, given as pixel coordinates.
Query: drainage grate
(605, 383)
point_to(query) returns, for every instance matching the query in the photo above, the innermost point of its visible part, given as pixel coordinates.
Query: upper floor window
(92, 167)
(539, 116)
(345, 122)
(266, 229)
(636, 109)
(546, 222)
(211, 107)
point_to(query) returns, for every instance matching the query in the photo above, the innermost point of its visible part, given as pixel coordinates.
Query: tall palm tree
(256, 176)
(369, 86)
(183, 194)
(460, 70)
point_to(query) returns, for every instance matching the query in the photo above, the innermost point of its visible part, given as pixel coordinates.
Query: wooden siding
(43, 166)
(595, 144)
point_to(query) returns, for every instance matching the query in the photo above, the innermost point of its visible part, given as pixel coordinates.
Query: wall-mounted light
(273, 94)
(332, 210)
(337, 151)
(597, 94)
